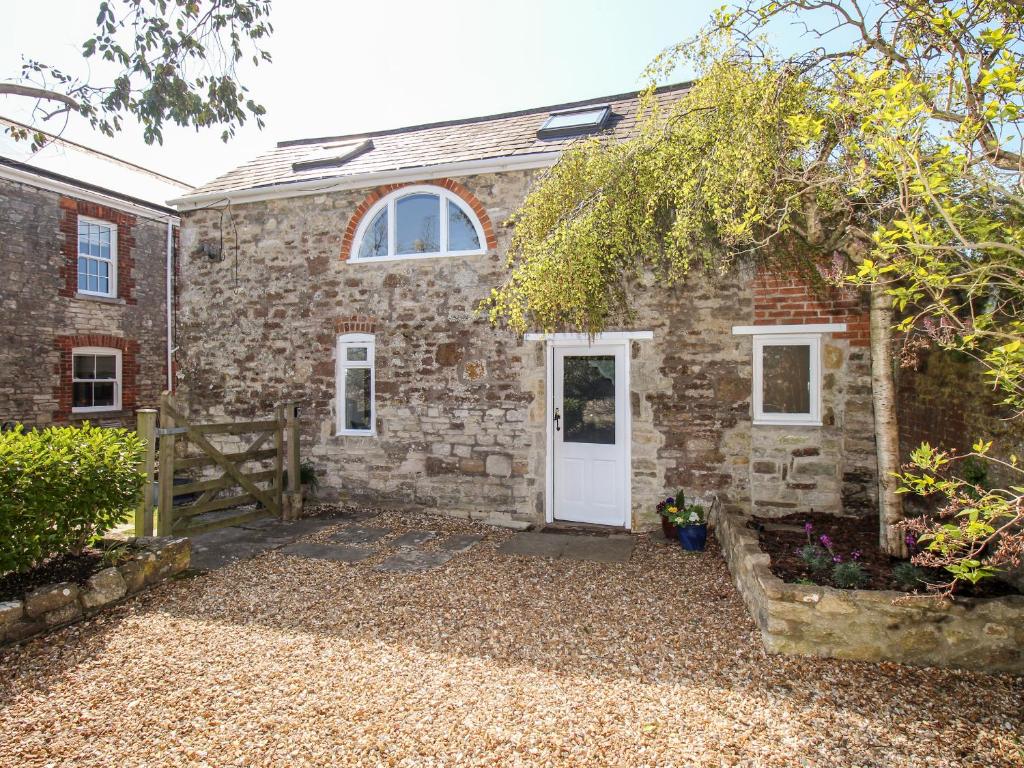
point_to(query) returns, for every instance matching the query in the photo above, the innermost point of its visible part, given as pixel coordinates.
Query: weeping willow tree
(891, 161)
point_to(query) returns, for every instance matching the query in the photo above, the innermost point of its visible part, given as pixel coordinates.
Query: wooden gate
(182, 462)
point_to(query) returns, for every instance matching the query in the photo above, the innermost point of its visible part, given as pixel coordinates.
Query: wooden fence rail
(170, 470)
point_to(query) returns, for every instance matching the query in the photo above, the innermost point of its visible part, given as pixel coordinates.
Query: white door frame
(603, 340)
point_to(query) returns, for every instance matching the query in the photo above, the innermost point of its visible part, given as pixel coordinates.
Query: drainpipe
(170, 305)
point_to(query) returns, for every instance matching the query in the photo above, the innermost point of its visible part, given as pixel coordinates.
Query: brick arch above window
(355, 324)
(454, 187)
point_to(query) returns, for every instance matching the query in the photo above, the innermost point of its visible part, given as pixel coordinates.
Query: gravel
(488, 660)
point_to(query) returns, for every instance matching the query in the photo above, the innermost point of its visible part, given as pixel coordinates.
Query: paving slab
(358, 534)
(414, 561)
(535, 544)
(598, 549)
(459, 542)
(414, 538)
(339, 553)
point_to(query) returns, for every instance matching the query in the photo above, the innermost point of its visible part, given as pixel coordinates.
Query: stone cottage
(84, 302)
(344, 272)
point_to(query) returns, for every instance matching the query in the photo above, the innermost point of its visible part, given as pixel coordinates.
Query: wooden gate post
(279, 459)
(294, 497)
(165, 515)
(145, 427)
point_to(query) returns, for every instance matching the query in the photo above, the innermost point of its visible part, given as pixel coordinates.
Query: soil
(74, 568)
(848, 534)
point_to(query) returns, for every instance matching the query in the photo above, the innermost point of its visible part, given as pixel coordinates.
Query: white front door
(590, 411)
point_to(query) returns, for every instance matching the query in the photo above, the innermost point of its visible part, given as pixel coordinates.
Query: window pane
(106, 367)
(81, 394)
(418, 220)
(786, 373)
(590, 117)
(375, 241)
(357, 398)
(588, 398)
(461, 232)
(355, 353)
(93, 284)
(103, 393)
(83, 279)
(85, 366)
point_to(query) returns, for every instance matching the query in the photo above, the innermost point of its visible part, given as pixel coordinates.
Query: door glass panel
(588, 399)
(357, 398)
(786, 371)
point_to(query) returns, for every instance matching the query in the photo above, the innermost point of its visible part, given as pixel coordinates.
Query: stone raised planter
(153, 559)
(871, 625)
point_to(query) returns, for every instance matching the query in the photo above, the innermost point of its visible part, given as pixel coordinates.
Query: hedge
(62, 487)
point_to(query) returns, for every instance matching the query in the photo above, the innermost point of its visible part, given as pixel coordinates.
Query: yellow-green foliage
(60, 487)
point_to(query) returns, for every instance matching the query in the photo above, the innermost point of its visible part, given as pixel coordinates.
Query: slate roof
(480, 138)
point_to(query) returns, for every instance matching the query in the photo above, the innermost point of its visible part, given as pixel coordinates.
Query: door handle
(558, 421)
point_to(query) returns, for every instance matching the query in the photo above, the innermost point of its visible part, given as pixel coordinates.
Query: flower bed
(853, 541)
(985, 634)
(147, 561)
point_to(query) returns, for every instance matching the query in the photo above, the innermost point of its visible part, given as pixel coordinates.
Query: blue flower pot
(693, 537)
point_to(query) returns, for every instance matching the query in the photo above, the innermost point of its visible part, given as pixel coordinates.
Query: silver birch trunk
(887, 435)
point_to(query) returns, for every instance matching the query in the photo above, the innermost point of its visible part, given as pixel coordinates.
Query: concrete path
(224, 546)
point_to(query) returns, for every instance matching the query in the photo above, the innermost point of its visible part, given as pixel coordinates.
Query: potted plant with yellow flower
(668, 510)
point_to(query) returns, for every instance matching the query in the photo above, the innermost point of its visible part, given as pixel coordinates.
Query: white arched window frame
(389, 203)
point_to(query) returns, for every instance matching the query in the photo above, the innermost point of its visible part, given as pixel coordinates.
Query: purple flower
(670, 500)
(855, 555)
(808, 527)
(826, 542)
(837, 559)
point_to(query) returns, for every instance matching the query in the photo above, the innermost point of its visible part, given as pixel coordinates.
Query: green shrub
(817, 558)
(908, 576)
(62, 487)
(849, 575)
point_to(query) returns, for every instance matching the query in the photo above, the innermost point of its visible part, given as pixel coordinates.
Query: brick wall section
(943, 400)
(829, 468)
(36, 310)
(461, 406)
(454, 187)
(785, 300)
(129, 369)
(71, 210)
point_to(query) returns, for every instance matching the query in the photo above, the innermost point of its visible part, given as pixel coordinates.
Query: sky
(347, 67)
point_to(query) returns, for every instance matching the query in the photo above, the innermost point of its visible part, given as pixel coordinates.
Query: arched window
(418, 222)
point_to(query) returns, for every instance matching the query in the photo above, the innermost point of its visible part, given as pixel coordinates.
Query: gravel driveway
(488, 660)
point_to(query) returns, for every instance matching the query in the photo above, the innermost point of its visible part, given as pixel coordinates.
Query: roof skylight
(570, 122)
(331, 155)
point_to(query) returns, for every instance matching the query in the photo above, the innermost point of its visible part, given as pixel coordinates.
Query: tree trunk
(887, 435)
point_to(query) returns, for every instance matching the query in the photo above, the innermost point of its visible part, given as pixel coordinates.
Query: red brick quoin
(791, 300)
(129, 369)
(72, 209)
(452, 186)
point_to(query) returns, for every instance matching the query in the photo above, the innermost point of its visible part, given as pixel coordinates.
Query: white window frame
(112, 293)
(108, 351)
(811, 340)
(389, 202)
(345, 342)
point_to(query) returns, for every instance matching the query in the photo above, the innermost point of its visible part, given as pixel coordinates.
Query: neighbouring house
(86, 275)
(345, 272)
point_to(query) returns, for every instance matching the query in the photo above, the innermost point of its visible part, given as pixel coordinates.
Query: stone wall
(461, 417)
(149, 561)
(43, 317)
(868, 625)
